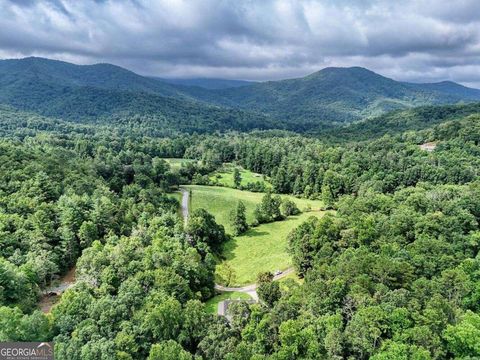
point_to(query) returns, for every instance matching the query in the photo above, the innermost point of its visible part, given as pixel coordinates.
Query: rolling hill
(400, 121)
(106, 93)
(328, 97)
(336, 95)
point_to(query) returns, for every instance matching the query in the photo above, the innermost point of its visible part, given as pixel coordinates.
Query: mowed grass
(262, 248)
(211, 306)
(176, 163)
(220, 201)
(224, 176)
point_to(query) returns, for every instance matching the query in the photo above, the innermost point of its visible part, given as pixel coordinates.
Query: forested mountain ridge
(337, 95)
(21, 73)
(330, 96)
(207, 83)
(452, 88)
(105, 93)
(400, 121)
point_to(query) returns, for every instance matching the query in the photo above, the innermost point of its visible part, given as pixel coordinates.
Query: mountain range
(104, 91)
(208, 83)
(337, 95)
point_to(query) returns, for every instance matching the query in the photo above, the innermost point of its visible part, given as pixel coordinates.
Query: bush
(289, 208)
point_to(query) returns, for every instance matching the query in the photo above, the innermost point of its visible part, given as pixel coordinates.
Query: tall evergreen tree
(238, 218)
(237, 178)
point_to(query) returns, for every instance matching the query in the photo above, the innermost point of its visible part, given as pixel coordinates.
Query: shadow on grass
(231, 245)
(254, 232)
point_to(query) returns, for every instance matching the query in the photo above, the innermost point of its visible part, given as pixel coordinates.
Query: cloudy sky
(412, 40)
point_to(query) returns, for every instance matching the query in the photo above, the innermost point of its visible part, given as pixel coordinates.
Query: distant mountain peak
(346, 69)
(331, 95)
(345, 73)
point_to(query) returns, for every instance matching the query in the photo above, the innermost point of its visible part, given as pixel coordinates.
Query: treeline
(312, 168)
(309, 168)
(297, 165)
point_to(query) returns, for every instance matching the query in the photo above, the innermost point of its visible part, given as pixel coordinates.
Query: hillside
(109, 94)
(161, 115)
(337, 95)
(25, 73)
(327, 97)
(451, 88)
(397, 122)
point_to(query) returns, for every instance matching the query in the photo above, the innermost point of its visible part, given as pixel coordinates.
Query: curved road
(252, 288)
(247, 289)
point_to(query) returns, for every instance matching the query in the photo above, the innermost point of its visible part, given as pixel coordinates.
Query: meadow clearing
(224, 176)
(261, 248)
(176, 163)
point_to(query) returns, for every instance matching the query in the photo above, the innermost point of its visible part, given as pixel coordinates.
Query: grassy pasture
(219, 201)
(224, 176)
(176, 163)
(262, 248)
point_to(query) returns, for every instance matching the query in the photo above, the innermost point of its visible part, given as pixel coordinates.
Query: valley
(239, 180)
(328, 215)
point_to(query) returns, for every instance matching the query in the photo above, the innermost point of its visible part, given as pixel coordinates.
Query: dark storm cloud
(408, 40)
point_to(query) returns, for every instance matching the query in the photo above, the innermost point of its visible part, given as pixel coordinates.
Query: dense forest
(392, 272)
(389, 270)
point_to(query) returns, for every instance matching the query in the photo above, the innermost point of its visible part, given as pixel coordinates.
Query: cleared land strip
(251, 289)
(247, 289)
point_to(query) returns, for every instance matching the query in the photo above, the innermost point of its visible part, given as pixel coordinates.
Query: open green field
(211, 306)
(176, 163)
(224, 176)
(220, 201)
(263, 248)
